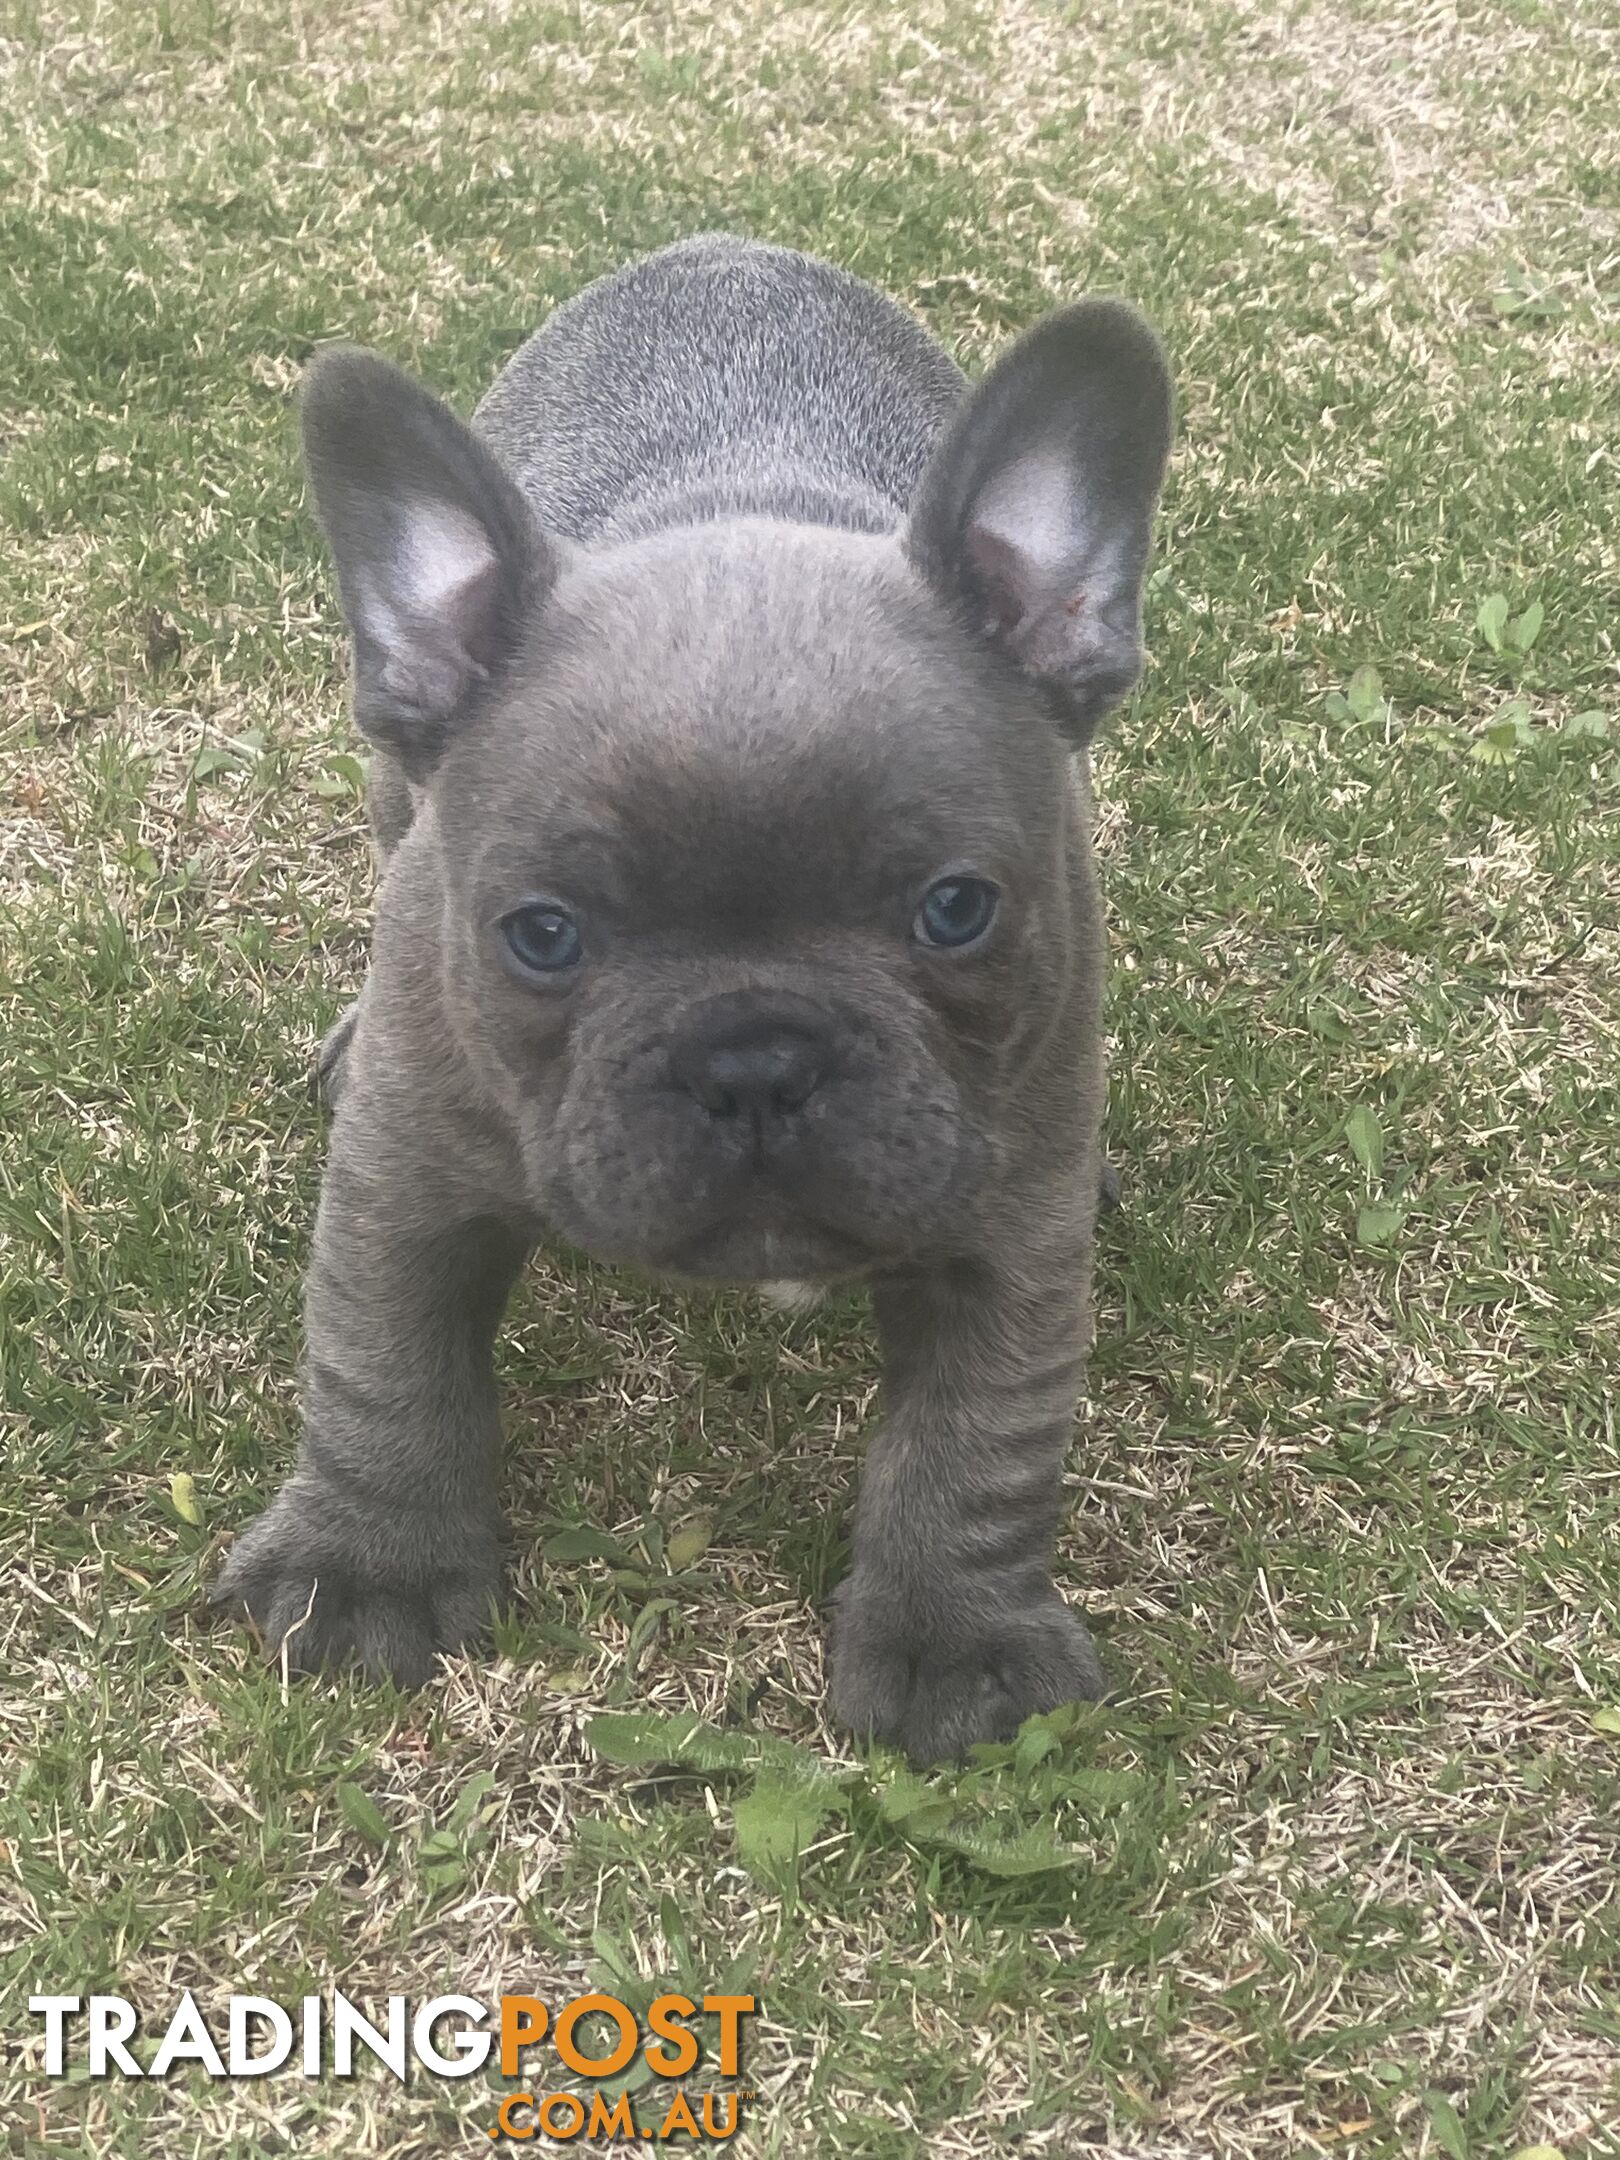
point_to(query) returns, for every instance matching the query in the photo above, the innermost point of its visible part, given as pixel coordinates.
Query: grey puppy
(729, 680)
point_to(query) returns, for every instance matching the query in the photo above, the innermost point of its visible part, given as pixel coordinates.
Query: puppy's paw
(393, 1607)
(936, 1689)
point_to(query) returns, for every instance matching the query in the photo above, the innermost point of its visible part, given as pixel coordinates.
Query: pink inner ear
(469, 614)
(433, 600)
(1044, 630)
(445, 558)
(1003, 575)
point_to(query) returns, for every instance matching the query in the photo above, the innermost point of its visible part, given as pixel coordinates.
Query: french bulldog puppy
(729, 681)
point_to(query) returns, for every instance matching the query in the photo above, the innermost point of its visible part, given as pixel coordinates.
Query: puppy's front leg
(949, 1629)
(383, 1545)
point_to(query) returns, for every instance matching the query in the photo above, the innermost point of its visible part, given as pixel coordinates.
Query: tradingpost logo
(450, 2036)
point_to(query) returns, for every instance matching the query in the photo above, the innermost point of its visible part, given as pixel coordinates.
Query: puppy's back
(721, 377)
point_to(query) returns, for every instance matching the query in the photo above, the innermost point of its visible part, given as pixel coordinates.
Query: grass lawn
(1338, 1873)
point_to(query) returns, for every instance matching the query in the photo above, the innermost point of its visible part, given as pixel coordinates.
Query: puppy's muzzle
(752, 1059)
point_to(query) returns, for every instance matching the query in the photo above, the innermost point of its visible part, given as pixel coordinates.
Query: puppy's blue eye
(542, 938)
(956, 911)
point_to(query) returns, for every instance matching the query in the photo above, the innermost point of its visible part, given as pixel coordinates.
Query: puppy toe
(394, 1640)
(462, 1611)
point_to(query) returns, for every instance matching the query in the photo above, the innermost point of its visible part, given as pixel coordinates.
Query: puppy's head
(754, 845)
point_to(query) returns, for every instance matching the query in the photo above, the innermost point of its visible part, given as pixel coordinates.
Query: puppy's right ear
(1034, 510)
(438, 555)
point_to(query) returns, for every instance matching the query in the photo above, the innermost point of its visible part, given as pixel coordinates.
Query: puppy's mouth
(740, 1251)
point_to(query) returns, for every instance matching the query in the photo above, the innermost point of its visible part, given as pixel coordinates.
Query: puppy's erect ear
(1033, 513)
(438, 555)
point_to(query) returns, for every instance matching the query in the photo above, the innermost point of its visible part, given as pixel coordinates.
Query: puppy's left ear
(1033, 515)
(439, 559)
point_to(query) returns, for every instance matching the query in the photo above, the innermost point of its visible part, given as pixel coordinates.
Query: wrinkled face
(759, 888)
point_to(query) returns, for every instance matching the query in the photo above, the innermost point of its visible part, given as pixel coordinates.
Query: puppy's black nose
(756, 1064)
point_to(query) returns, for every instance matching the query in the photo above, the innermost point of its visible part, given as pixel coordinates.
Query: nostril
(787, 1073)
